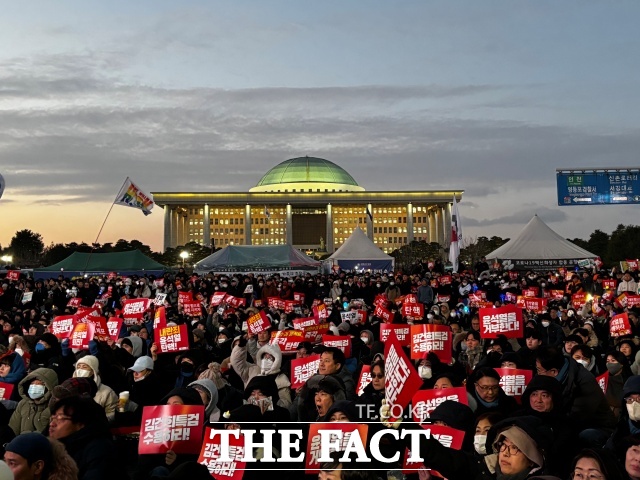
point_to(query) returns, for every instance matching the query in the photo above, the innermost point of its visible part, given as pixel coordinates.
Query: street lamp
(183, 256)
(6, 258)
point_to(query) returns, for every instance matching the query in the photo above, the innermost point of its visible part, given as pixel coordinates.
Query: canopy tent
(133, 262)
(359, 253)
(267, 259)
(539, 247)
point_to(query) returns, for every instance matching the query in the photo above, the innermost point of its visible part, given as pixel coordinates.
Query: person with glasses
(592, 464)
(484, 387)
(371, 400)
(629, 420)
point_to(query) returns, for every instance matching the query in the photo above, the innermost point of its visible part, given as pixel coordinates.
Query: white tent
(360, 254)
(539, 247)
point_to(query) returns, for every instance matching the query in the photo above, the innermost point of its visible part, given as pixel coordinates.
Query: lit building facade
(309, 203)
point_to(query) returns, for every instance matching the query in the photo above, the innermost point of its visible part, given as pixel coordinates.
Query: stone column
(247, 225)
(440, 223)
(329, 240)
(447, 223)
(369, 222)
(184, 232)
(206, 230)
(433, 230)
(166, 242)
(409, 223)
(174, 227)
(289, 226)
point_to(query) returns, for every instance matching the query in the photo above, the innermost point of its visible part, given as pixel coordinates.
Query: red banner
(620, 325)
(431, 338)
(401, 379)
(275, 302)
(447, 436)
(159, 318)
(609, 284)
(62, 326)
(537, 305)
(114, 325)
(445, 280)
(364, 380)
(314, 333)
(320, 312)
(578, 300)
(184, 297)
(74, 302)
(633, 301)
(302, 369)
(287, 340)
(530, 292)
(100, 329)
(298, 297)
(172, 339)
(302, 323)
(235, 302)
(380, 300)
(342, 430)
(6, 389)
(290, 305)
(341, 342)
(135, 308)
(510, 297)
(192, 309)
(81, 334)
(413, 310)
(171, 427)
(383, 313)
(557, 294)
(425, 401)
(443, 298)
(505, 320)
(632, 264)
(13, 275)
(211, 452)
(514, 381)
(401, 331)
(603, 382)
(217, 298)
(258, 323)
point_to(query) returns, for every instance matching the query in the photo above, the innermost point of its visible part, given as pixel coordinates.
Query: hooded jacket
(18, 370)
(105, 397)
(211, 409)
(33, 415)
(247, 370)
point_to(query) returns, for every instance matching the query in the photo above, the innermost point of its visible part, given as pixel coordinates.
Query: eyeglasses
(488, 388)
(58, 418)
(633, 399)
(513, 449)
(379, 375)
(583, 476)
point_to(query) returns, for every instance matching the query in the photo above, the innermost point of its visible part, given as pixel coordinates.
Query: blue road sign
(598, 188)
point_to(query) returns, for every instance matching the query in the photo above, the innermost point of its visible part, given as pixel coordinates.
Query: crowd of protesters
(63, 419)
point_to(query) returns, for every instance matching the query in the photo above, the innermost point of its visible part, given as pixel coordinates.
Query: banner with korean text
(425, 401)
(345, 431)
(401, 378)
(302, 369)
(514, 381)
(62, 326)
(258, 323)
(505, 321)
(287, 340)
(211, 452)
(364, 380)
(343, 342)
(619, 325)
(173, 338)
(171, 427)
(431, 338)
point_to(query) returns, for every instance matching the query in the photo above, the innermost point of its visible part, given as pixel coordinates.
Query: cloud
(521, 217)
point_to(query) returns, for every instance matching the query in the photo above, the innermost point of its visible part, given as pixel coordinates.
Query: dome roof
(304, 173)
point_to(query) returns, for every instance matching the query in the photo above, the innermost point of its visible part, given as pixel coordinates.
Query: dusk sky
(489, 97)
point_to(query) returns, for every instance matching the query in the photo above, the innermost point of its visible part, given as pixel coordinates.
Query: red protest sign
(514, 381)
(287, 340)
(609, 284)
(290, 305)
(274, 302)
(443, 298)
(135, 308)
(619, 325)
(114, 325)
(298, 297)
(557, 294)
(632, 264)
(633, 301)
(578, 300)
(314, 333)
(212, 450)
(302, 323)
(159, 318)
(431, 338)
(184, 297)
(401, 379)
(530, 292)
(603, 382)
(510, 297)
(383, 313)
(413, 310)
(302, 369)
(320, 312)
(258, 323)
(364, 380)
(62, 326)
(192, 309)
(445, 280)
(425, 401)
(217, 298)
(13, 275)
(380, 300)
(100, 329)
(447, 436)
(6, 389)
(171, 427)
(343, 342)
(343, 431)
(81, 334)
(235, 302)
(74, 302)
(401, 331)
(172, 339)
(537, 305)
(505, 321)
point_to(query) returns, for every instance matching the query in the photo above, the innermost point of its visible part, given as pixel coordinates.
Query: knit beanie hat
(31, 446)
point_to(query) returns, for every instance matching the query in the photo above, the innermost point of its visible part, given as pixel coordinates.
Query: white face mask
(378, 285)
(19, 351)
(545, 323)
(453, 314)
(634, 411)
(584, 363)
(364, 340)
(222, 340)
(83, 373)
(266, 364)
(425, 372)
(480, 444)
(36, 391)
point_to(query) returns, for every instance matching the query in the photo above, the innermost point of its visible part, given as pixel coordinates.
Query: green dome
(306, 173)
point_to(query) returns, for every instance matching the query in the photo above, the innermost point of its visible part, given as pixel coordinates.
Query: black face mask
(186, 369)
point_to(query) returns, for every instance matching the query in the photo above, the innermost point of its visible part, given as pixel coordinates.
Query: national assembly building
(309, 203)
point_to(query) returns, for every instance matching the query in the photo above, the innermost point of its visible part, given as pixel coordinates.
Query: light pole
(183, 256)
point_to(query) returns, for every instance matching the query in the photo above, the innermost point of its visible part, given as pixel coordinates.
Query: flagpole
(93, 245)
